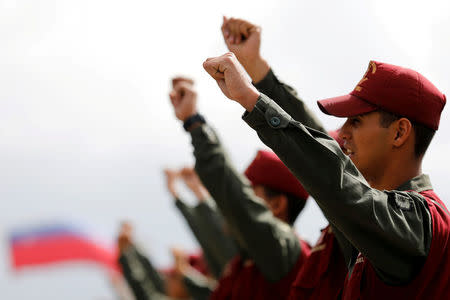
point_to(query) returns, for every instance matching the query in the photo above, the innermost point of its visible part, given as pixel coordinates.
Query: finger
(172, 96)
(212, 66)
(244, 28)
(179, 79)
(217, 66)
(238, 36)
(182, 88)
(224, 28)
(234, 30)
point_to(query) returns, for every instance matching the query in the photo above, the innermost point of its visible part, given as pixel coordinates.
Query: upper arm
(288, 99)
(251, 223)
(394, 239)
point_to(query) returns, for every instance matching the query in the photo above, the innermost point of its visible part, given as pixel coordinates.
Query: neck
(395, 173)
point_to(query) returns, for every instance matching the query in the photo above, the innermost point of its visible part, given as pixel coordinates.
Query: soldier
(322, 276)
(203, 219)
(207, 226)
(146, 282)
(396, 227)
(259, 215)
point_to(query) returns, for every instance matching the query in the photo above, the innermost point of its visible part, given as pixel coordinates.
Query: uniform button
(275, 121)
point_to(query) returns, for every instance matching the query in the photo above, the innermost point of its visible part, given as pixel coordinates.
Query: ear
(279, 205)
(402, 131)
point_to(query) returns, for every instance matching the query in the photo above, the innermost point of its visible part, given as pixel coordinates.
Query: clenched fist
(171, 177)
(183, 97)
(193, 182)
(124, 239)
(232, 79)
(244, 40)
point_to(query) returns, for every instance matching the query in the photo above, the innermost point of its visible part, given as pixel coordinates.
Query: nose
(345, 131)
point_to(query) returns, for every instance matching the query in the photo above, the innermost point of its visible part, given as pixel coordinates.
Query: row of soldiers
(388, 232)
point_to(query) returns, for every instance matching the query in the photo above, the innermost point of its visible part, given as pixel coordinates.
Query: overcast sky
(86, 126)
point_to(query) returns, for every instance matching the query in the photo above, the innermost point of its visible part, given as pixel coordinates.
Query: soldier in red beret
(259, 210)
(395, 226)
(322, 276)
(204, 220)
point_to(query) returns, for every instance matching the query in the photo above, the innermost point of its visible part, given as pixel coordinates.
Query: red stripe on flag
(62, 248)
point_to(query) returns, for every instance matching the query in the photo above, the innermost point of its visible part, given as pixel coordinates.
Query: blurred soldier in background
(259, 213)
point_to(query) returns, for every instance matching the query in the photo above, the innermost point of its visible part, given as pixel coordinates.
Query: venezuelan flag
(58, 243)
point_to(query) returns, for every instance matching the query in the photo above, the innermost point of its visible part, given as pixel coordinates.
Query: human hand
(171, 177)
(193, 182)
(181, 260)
(183, 98)
(124, 239)
(244, 40)
(232, 79)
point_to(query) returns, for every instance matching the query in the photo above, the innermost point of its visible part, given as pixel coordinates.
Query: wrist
(250, 99)
(194, 121)
(257, 69)
(201, 194)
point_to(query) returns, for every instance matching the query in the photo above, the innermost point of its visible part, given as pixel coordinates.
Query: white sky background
(86, 126)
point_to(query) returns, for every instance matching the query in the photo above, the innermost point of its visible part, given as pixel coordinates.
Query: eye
(354, 121)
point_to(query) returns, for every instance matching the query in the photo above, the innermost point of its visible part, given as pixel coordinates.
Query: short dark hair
(295, 204)
(423, 134)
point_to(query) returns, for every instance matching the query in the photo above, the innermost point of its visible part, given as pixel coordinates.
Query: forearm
(152, 273)
(199, 286)
(200, 231)
(220, 244)
(287, 98)
(391, 238)
(252, 225)
(137, 277)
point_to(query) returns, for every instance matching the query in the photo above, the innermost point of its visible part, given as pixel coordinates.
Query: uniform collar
(419, 184)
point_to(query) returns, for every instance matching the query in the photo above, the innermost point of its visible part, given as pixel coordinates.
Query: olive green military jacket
(391, 228)
(207, 225)
(269, 242)
(143, 279)
(147, 283)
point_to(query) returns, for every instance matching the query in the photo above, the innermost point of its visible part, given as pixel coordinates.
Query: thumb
(184, 88)
(213, 67)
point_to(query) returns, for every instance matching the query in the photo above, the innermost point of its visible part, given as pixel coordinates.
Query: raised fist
(171, 177)
(183, 97)
(181, 260)
(193, 182)
(244, 40)
(124, 240)
(232, 79)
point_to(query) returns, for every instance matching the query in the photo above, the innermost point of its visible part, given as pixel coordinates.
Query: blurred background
(85, 122)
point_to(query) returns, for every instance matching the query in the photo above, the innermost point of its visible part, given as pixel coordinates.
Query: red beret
(394, 89)
(335, 135)
(268, 170)
(197, 261)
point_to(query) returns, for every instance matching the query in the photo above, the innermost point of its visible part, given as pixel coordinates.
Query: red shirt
(323, 274)
(242, 280)
(432, 282)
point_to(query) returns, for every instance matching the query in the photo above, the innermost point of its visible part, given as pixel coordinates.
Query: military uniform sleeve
(208, 232)
(286, 97)
(137, 277)
(252, 225)
(391, 228)
(151, 271)
(220, 244)
(199, 286)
